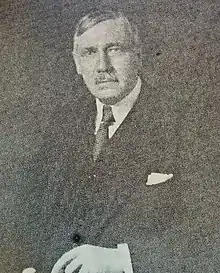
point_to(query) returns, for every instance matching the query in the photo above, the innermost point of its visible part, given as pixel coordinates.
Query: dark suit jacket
(166, 226)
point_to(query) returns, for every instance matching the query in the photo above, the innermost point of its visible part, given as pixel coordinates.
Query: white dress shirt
(120, 110)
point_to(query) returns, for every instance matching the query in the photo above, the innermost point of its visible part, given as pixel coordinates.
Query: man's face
(108, 60)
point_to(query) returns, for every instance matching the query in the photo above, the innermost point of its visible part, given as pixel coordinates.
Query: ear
(77, 62)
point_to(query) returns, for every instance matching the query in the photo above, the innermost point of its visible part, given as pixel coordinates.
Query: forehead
(109, 31)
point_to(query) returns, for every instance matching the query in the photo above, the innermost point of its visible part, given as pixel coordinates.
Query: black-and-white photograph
(110, 136)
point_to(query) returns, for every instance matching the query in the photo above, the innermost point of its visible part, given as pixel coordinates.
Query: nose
(104, 62)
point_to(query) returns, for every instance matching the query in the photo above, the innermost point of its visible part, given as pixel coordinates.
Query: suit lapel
(146, 137)
(142, 135)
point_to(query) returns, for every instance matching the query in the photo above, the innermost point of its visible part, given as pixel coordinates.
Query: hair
(95, 17)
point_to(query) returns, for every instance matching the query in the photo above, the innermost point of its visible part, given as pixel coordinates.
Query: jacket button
(76, 238)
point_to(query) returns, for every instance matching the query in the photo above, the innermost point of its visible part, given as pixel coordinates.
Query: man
(107, 55)
(135, 135)
(114, 184)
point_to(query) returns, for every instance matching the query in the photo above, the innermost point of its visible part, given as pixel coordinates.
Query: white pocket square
(29, 270)
(157, 178)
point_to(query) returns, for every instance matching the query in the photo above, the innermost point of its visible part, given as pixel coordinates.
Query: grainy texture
(181, 59)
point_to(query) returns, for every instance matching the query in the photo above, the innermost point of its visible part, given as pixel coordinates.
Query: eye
(114, 49)
(88, 52)
(91, 51)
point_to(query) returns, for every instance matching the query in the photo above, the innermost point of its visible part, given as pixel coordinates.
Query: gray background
(181, 59)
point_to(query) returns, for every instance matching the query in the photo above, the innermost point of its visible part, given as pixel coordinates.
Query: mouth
(106, 81)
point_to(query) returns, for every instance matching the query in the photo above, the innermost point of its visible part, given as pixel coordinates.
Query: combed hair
(95, 17)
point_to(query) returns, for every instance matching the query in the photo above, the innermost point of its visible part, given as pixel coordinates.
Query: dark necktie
(102, 135)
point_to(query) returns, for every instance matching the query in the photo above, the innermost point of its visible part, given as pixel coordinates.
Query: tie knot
(107, 115)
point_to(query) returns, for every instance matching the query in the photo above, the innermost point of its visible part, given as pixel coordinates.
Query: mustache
(105, 78)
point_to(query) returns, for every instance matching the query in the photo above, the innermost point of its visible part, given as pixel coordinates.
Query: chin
(110, 99)
(107, 96)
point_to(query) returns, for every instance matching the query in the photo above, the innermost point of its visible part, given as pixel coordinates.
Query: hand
(91, 259)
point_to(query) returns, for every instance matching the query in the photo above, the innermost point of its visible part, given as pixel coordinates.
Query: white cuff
(124, 250)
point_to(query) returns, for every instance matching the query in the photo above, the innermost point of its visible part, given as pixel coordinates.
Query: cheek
(125, 66)
(88, 67)
(87, 71)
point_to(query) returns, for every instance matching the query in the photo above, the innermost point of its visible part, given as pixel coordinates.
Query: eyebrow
(108, 45)
(113, 44)
(88, 48)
